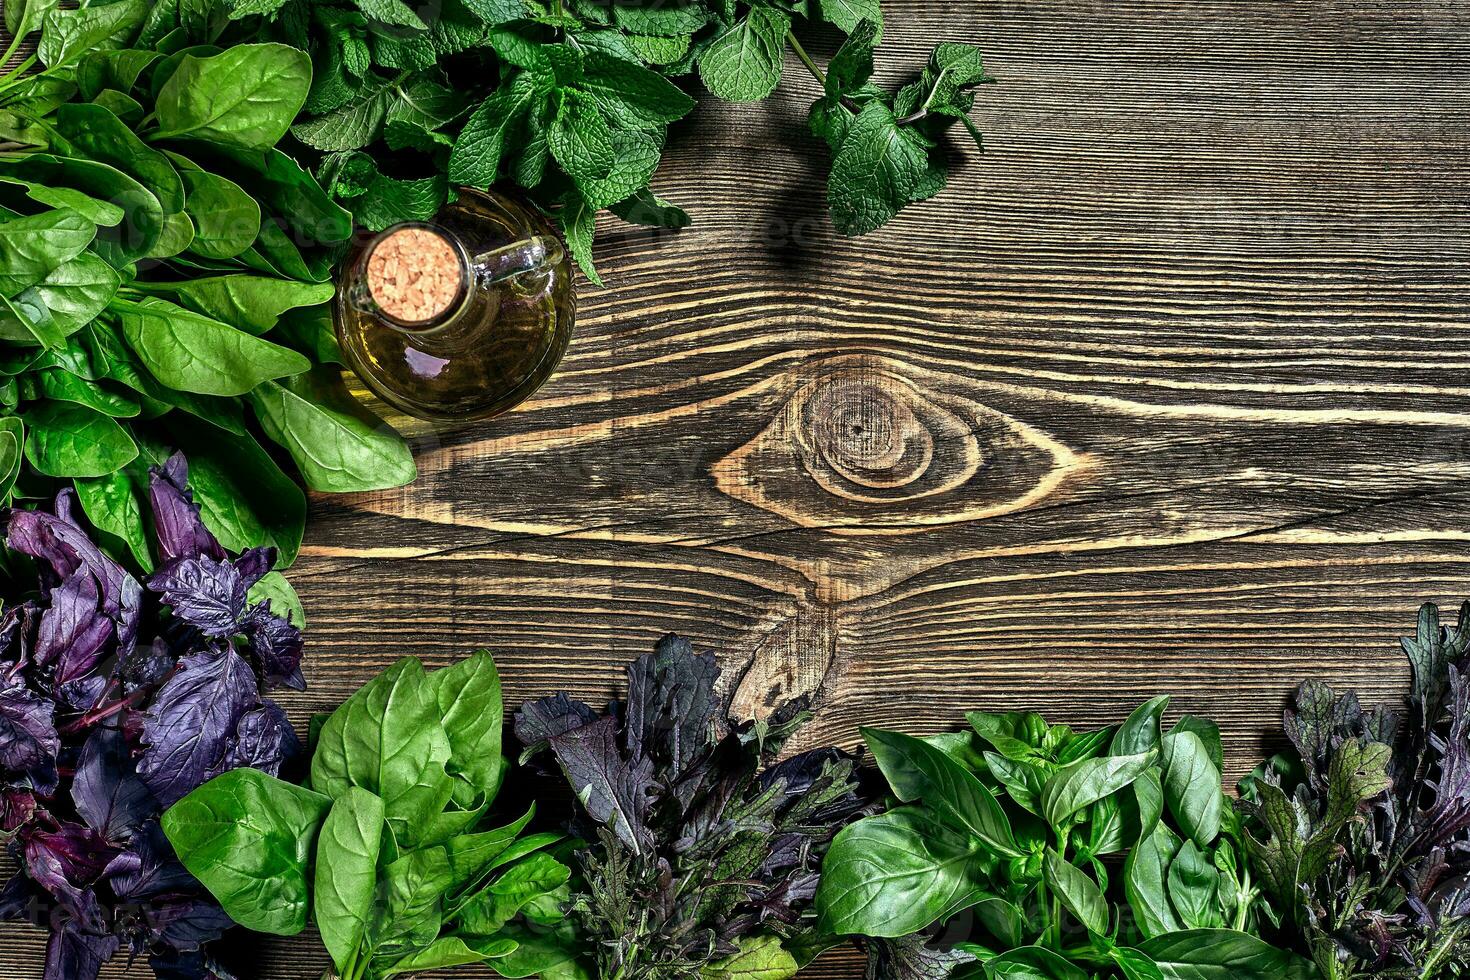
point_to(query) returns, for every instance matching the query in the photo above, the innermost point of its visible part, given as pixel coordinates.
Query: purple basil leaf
(74, 631)
(187, 966)
(186, 731)
(671, 703)
(186, 924)
(81, 694)
(76, 955)
(20, 899)
(148, 867)
(107, 792)
(205, 593)
(181, 531)
(263, 740)
(17, 807)
(254, 563)
(61, 544)
(28, 738)
(148, 665)
(276, 645)
(65, 865)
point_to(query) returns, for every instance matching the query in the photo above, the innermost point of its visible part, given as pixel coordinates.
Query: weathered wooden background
(1166, 392)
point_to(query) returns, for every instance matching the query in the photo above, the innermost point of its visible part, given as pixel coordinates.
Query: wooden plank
(1164, 393)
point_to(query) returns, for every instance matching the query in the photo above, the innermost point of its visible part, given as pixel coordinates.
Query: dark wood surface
(1165, 393)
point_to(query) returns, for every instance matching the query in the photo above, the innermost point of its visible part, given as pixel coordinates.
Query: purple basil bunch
(116, 699)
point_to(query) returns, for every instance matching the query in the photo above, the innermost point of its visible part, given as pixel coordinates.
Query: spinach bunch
(1361, 834)
(1013, 833)
(385, 851)
(571, 100)
(163, 275)
(706, 850)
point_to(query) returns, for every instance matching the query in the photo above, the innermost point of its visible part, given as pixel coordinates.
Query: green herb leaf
(248, 838)
(346, 872)
(744, 63)
(244, 97)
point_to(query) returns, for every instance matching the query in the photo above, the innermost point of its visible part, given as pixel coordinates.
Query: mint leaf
(744, 63)
(659, 50)
(633, 95)
(847, 14)
(496, 11)
(392, 12)
(350, 127)
(874, 172)
(661, 19)
(475, 159)
(647, 208)
(578, 225)
(852, 65)
(580, 139)
(388, 201)
(635, 158)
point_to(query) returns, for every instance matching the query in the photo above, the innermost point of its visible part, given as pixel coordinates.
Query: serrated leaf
(744, 63)
(874, 172)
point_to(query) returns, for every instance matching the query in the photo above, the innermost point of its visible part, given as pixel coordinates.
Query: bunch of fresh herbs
(1362, 834)
(116, 699)
(386, 851)
(571, 100)
(706, 851)
(163, 273)
(1009, 838)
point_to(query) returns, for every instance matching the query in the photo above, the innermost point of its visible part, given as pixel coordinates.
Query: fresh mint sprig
(571, 100)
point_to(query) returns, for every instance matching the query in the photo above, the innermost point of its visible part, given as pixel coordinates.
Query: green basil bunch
(1022, 826)
(385, 851)
(164, 272)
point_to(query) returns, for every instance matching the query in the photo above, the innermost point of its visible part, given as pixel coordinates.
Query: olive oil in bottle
(460, 317)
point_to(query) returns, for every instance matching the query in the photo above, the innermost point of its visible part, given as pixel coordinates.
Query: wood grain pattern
(1166, 392)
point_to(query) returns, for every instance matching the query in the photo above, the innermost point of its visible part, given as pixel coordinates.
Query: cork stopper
(414, 275)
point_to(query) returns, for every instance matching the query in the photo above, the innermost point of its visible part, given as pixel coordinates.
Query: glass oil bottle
(459, 317)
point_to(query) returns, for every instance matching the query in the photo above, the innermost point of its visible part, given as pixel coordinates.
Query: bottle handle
(537, 253)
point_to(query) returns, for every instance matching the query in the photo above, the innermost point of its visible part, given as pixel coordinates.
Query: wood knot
(869, 445)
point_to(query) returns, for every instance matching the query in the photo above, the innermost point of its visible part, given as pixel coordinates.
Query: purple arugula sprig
(116, 699)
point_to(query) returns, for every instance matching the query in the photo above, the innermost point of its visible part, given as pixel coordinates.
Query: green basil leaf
(1194, 886)
(1084, 783)
(1192, 787)
(1145, 881)
(894, 874)
(1222, 954)
(248, 838)
(1141, 731)
(917, 770)
(1079, 893)
(274, 588)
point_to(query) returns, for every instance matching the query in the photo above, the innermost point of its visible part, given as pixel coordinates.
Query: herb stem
(806, 59)
(16, 74)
